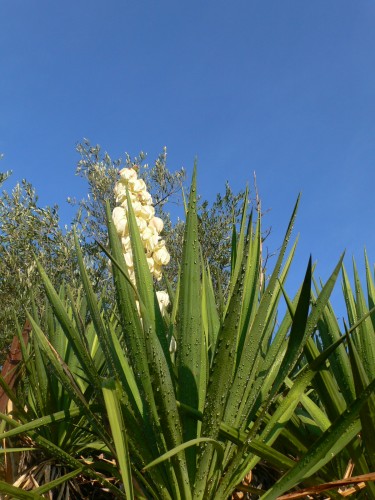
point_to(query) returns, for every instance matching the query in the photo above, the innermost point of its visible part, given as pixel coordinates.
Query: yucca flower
(163, 299)
(149, 227)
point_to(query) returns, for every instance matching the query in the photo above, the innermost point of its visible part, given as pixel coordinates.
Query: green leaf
(238, 437)
(153, 336)
(18, 493)
(367, 413)
(96, 316)
(337, 436)
(184, 446)
(119, 434)
(40, 422)
(52, 450)
(145, 286)
(286, 408)
(133, 335)
(298, 332)
(255, 337)
(367, 338)
(329, 331)
(69, 329)
(15, 450)
(68, 381)
(165, 398)
(60, 480)
(295, 343)
(190, 337)
(238, 246)
(370, 287)
(210, 316)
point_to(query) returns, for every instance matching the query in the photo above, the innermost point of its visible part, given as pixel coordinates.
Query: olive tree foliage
(28, 230)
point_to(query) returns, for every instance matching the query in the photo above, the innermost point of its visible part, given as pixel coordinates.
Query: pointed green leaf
(189, 327)
(119, 434)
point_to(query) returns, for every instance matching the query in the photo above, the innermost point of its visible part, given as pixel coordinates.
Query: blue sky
(285, 88)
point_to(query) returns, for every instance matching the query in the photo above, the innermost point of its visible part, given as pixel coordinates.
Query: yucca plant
(42, 398)
(190, 424)
(346, 378)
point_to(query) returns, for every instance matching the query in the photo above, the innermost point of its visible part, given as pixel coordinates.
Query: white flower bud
(151, 242)
(124, 202)
(151, 264)
(138, 307)
(128, 256)
(147, 212)
(157, 272)
(120, 220)
(145, 197)
(163, 299)
(128, 174)
(141, 223)
(161, 255)
(147, 233)
(137, 207)
(125, 243)
(120, 191)
(157, 223)
(137, 185)
(131, 275)
(173, 345)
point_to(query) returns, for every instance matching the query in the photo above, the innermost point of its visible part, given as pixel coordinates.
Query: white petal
(157, 223)
(120, 220)
(161, 255)
(137, 185)
(128, 174)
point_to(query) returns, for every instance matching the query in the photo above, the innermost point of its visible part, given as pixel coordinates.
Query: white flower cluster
(149, 226)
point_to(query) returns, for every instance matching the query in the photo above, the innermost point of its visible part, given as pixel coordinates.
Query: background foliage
(26, 229)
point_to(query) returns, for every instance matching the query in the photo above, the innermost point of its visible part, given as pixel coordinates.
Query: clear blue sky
(285, 88)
